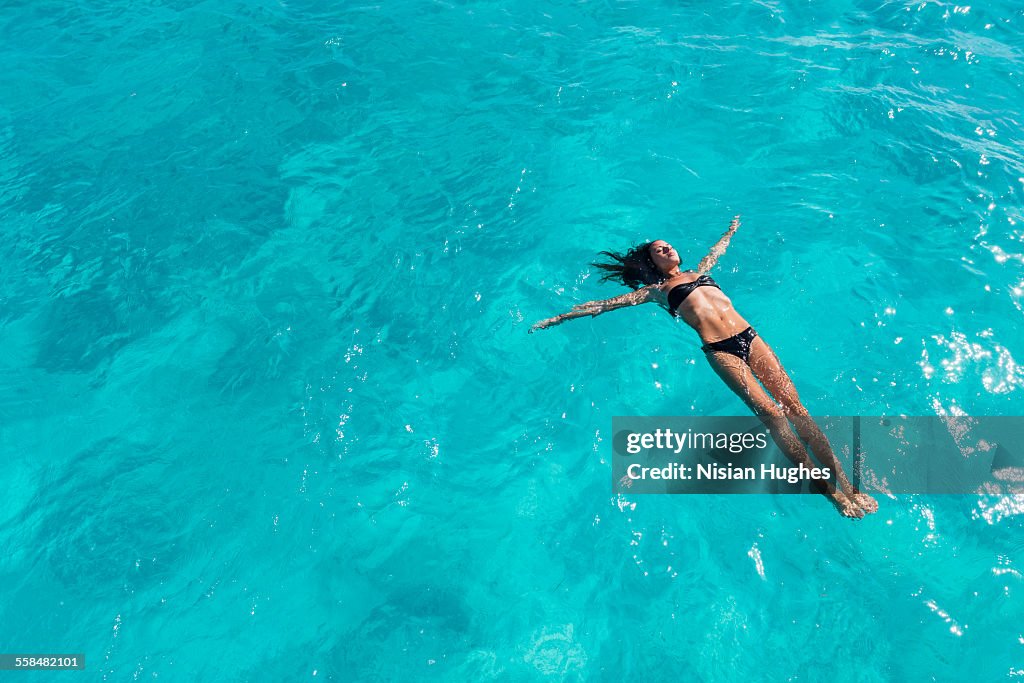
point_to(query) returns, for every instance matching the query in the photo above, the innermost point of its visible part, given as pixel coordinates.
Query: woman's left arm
(709, 261)
(592, 308)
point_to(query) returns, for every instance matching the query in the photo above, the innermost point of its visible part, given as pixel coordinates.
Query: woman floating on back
(741, 358)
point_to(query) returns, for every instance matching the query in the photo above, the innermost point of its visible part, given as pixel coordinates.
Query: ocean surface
(268, 405)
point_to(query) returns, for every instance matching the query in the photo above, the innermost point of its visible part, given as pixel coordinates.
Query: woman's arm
(592, 308)
(709, 261)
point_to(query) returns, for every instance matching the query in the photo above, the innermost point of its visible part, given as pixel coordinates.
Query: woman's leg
(738, 377)
(768, 369)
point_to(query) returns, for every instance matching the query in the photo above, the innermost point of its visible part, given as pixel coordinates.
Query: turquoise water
(269, 410)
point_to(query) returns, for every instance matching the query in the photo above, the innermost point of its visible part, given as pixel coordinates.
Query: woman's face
(664, 256)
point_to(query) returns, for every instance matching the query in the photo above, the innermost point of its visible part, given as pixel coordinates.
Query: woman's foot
(845, 506)
(861, 500)
(864, 501)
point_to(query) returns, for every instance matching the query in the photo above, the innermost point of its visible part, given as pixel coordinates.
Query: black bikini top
(678, 293)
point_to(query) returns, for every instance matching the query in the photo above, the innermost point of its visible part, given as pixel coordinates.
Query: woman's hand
(544, 324)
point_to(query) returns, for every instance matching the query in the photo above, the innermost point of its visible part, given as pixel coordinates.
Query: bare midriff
(710, 313)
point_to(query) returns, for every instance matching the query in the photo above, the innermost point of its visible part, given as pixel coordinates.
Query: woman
(736, 352)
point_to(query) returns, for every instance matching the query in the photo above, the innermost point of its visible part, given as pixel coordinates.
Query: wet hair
(635, 268)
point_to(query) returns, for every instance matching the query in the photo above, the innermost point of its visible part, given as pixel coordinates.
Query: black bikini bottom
(738, 345)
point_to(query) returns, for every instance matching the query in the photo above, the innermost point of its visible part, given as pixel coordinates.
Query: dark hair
(635, 268)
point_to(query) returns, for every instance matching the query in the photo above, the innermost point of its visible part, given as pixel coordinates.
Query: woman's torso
(702, 305)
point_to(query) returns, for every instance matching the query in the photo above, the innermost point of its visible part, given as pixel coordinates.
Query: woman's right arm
(592, 308)
(709, 261)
